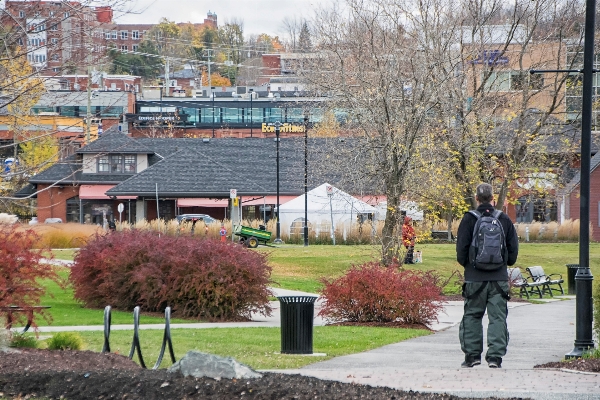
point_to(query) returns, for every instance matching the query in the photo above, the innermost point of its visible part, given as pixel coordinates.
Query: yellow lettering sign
(284, 128)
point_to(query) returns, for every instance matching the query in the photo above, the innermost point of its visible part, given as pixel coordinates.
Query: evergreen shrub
(374, 293)
(197, 278)
(65, 341)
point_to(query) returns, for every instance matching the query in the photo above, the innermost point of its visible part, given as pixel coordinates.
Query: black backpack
(488, 250)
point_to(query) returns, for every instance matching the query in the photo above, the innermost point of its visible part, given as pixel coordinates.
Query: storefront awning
(97, 192)
(254, 201)
(202, 202)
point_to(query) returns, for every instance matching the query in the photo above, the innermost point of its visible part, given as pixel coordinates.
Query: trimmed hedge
(197, 278)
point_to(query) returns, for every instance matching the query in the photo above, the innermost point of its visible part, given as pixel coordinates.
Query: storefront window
(232, 115)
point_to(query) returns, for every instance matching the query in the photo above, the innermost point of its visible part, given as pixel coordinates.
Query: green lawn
(301, 268)
(65, 311)
(256, 347)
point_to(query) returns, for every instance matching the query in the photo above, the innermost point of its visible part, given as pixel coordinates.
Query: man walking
(487, 243)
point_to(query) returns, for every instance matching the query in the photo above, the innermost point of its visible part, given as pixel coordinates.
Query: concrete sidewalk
(539, 333)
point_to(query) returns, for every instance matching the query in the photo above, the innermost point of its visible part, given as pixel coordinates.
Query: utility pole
(88, 120)
(209, 55)
(166, 78)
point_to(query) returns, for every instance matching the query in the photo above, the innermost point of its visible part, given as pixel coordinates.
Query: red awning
(202, 202)
(254, 201)
(97, 192)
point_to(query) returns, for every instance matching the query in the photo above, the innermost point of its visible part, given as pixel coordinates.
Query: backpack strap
(497, 214)
(476, 213)
(475, 293)
(502, 292)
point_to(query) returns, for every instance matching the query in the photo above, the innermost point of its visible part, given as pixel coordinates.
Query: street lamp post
(306, 179)
(278, 226)
(584, 278)
(212, 94)
(251, 111)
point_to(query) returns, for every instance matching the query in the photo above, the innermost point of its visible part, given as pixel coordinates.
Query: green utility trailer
(252, 237)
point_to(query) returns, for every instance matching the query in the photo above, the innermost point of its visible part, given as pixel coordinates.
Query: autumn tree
(496, 120)
(375, 67)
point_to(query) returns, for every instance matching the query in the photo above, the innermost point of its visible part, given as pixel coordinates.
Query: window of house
(116, 164)
(20, 41)
(135, 47)
(55, 69)
(22, 14)
(113, 34)
(54, 27)
(107, 35)
(123, 35)
(67, 14)
(55, 57)
(51, 13)
(103, 164)
(54, 41)
(135, 34)
(124, 48)
(129, 163)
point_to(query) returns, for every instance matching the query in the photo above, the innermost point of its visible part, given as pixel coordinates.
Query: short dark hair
(485, 193)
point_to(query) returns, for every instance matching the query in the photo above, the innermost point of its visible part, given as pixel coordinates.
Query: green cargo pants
(471, 326)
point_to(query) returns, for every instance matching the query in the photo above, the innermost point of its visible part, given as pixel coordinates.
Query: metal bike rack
(135, 344)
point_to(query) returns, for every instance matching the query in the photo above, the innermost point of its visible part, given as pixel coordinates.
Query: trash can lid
(297, 299)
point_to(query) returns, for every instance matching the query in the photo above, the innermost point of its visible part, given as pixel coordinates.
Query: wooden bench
(9, 310)
(548, 281)
(442, 235)
(526, 286)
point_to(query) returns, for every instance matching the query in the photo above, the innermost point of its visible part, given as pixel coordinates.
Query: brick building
(59, 34)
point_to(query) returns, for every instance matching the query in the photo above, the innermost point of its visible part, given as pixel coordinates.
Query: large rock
(198, 364)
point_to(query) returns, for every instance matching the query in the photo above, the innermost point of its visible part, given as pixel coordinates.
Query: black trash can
(297, 314)
(571, 271)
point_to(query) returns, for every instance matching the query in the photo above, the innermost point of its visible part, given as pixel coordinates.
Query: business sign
(156, 117)
(491, 57)
(284, 128)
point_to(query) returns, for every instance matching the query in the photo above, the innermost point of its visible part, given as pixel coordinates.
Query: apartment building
(67, 36)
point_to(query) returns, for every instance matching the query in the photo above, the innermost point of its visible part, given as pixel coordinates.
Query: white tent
(321, 207)
(411, 209)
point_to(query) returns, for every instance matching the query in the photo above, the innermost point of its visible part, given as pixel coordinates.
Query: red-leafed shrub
(201, 278)
(20, 271)
(374, 293)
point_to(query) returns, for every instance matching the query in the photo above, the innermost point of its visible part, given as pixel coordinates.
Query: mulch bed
(88, 375)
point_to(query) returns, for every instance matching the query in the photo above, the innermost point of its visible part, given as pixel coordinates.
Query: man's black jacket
(463, 242)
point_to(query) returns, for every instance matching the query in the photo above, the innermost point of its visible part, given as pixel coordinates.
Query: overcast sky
(259, 16)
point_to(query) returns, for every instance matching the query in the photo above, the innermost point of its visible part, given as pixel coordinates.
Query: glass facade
(241, 114)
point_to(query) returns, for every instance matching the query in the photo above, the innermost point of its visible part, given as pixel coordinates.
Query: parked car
(195, 218)
(33, 221)
(53, 221)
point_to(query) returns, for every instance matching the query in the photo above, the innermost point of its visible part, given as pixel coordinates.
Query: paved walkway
(539, 333)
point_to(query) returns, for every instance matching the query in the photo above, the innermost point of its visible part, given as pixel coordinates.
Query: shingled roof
(194, 168)
(114, 141)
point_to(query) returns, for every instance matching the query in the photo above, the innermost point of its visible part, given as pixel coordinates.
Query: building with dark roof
(186, 175)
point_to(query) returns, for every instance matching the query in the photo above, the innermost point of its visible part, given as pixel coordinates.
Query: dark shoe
(494, 362)
(470, 362)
